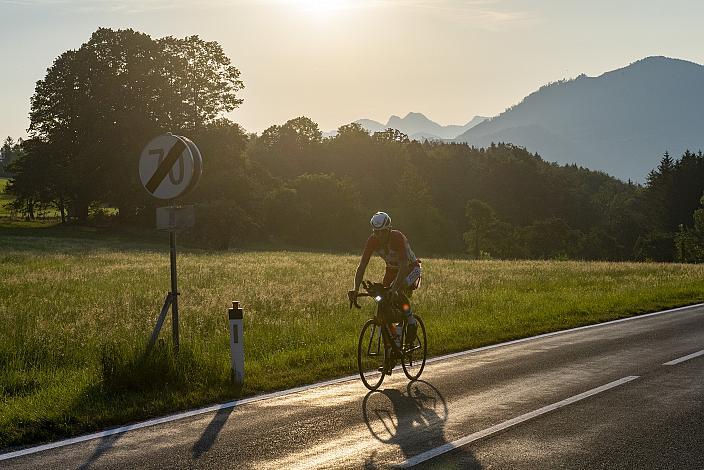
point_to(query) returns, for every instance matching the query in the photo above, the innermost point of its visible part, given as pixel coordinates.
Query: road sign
(169, 166)
(175, 218)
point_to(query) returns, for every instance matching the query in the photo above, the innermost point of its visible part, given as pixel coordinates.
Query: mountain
(621, 122)
(419, 127)
(370, 125)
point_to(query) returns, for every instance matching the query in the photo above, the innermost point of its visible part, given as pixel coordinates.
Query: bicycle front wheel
(414, 354)
(370, 355)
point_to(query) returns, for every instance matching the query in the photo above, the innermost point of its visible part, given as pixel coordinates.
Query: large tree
(98, 106)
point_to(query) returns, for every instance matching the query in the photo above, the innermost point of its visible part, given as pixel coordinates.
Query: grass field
(76, 314)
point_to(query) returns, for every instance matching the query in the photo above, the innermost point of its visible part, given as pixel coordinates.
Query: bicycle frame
(381, 320)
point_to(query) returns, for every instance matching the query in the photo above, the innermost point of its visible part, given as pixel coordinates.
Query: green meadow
(77, 310)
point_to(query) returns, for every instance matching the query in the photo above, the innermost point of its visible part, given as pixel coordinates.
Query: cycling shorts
(413, 278)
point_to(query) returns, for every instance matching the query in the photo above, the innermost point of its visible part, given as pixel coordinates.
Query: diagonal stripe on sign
(165, 166)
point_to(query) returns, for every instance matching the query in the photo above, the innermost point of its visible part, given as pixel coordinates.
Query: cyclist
(403, 269)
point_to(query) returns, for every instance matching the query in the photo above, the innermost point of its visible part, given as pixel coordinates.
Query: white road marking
(511, 422)
(561, 332)
(685, 358)
(232, 404)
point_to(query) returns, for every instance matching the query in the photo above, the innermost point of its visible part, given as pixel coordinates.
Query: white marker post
(237, 342)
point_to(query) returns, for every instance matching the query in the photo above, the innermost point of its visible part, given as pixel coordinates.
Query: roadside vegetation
(77, 310)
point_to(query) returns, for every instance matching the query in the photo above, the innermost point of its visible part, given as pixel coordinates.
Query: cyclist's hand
(352, 296)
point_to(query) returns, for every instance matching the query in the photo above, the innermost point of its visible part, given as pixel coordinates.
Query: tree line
(289, 186)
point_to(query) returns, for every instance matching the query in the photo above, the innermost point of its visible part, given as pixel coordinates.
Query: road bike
(379, 346)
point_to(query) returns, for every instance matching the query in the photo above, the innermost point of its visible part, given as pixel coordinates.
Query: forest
(290, 187)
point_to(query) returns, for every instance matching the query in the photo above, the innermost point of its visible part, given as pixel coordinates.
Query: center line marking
(685, 358)
(432, 453)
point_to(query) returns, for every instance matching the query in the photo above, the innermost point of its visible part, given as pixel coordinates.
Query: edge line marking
(560, 332)
(422, 457)
(280, 393)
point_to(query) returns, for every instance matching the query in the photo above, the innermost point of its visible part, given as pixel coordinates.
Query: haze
(340, 60)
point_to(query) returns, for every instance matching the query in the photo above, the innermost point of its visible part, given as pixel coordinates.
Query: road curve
(626, 394)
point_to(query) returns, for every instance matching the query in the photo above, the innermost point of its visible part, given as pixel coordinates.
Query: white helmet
(380, 221)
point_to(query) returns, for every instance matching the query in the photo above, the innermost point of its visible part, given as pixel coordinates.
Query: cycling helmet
(380, 221)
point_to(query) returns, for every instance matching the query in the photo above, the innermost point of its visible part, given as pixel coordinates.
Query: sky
(337, 61)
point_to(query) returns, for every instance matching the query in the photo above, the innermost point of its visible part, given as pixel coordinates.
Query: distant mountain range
(621, 122)
(417, 127)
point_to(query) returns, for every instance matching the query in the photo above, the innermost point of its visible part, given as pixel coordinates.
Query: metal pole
(174, 290)
(159, 322)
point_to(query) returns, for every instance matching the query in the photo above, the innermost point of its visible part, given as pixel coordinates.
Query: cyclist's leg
(389, 355)
(407, 292)
(412, 328)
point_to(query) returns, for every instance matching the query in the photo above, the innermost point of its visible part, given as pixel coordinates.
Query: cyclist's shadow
(414, 420)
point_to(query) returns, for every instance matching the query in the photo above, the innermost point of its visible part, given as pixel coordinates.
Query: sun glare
(322, 7)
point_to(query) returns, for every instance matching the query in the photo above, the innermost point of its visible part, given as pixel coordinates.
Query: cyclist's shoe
(387, 367)
(411, 332)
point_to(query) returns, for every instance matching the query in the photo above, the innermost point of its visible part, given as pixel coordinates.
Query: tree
(203, 83)
(330, 211)
(99, 105)
(659, 189)
(550, 238)
(9, 152)
(291, 149)
(689, 241)
(283, 215)
(353, 130)
(32, 186)
(480, 218)
(391, 135)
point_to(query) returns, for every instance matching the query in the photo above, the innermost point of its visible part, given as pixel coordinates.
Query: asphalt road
(617, 395)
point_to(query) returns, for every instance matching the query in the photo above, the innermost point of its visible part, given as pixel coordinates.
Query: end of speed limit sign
(170, 166)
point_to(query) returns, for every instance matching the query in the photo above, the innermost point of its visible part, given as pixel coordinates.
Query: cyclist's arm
(366, 255)
(359, 275)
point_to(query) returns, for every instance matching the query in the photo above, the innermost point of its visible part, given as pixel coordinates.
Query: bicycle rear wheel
(370, 355)
(414, 355)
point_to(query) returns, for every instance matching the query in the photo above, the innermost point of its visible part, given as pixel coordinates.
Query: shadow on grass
(127, 368)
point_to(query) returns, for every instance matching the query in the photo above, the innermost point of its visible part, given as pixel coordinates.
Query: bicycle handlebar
(368, 286)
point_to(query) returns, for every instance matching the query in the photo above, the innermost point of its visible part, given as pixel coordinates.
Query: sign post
(169, 167)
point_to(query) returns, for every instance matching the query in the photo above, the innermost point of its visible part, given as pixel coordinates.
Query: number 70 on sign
(170, 166)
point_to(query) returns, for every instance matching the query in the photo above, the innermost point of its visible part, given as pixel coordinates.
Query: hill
(620, 122)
